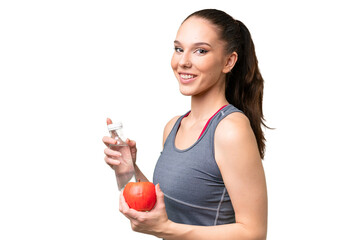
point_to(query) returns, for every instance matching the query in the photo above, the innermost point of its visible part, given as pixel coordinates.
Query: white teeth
(186, 76)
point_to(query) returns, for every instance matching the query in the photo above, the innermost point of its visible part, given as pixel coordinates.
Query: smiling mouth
(185, 77)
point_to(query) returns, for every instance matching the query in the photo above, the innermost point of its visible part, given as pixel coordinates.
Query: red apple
(140, 196)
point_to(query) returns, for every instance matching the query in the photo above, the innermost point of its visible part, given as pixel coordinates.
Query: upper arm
(239, 161)
(168, 128)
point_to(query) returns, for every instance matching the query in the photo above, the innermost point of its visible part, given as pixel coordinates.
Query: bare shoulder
(235, 136)
(235, 126)
(168, 127)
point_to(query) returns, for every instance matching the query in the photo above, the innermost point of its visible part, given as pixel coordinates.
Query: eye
(178, 49)
(201, 51)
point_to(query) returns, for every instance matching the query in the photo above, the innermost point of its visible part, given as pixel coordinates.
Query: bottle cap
(114, 126)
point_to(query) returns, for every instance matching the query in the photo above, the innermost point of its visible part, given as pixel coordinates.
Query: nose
(185, 60)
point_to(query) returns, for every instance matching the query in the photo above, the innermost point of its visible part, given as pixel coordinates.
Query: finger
(111, 162)
(133, 152)
(133, 149)
(108, 121)
(123, 208)
(122, 202)
(112, 153)
(126, 210)
(131, 143)
(108, 140)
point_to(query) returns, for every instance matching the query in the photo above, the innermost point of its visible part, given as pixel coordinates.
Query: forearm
(176, 231)
(139, 174)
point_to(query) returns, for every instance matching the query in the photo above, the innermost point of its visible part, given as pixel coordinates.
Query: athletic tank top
(191, 180)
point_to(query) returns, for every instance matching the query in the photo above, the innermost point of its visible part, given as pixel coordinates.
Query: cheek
(174, 62)
(207, 65)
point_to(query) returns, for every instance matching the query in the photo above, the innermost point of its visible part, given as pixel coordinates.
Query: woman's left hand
(153, 222)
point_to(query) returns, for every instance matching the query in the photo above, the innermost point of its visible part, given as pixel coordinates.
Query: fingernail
(108, 121)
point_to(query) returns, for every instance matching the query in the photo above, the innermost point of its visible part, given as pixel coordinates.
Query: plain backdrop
(65, 66)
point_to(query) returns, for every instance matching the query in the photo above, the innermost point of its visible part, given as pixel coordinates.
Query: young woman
(210, 171)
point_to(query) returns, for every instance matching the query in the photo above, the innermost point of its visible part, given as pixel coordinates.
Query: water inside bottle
(125, 171)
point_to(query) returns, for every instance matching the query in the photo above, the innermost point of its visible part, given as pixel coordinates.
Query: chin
(186, 91)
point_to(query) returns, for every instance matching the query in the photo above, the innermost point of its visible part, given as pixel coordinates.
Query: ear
(230, 62)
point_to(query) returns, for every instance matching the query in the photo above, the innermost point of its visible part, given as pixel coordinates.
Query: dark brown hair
(244, 84)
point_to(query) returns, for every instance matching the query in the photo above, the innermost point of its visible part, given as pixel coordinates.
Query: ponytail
(244, 84)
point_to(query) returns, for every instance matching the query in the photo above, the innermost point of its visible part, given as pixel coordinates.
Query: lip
(186, 80)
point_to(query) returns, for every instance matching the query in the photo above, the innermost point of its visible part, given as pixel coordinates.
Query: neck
(204, 105)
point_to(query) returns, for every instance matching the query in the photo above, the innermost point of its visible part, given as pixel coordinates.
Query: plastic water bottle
(125, 171)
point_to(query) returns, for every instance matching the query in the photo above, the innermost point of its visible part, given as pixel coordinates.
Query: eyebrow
(195, 44)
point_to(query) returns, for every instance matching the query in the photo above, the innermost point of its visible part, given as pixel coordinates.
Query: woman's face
(198, 60)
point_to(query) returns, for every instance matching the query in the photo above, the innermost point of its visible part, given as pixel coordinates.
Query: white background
(67, 65)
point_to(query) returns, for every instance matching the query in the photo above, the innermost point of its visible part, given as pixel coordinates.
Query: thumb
(131, 143)
(159, 195)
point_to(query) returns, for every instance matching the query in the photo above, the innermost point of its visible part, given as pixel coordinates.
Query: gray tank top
(191, 180)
